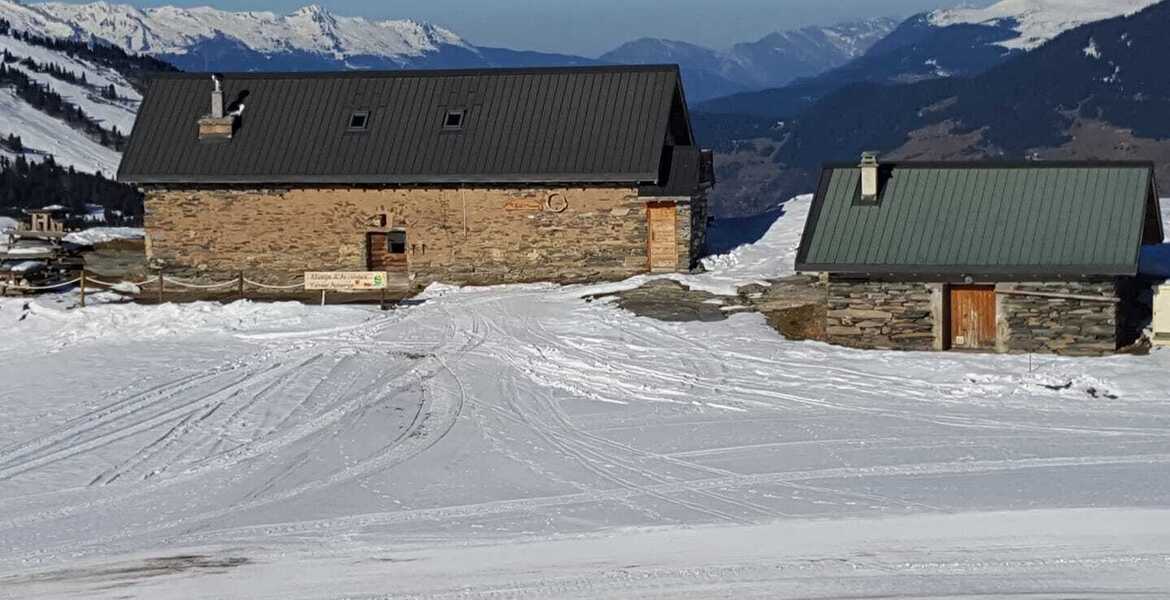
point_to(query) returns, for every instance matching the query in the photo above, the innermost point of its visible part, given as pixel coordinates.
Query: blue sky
(591, 27)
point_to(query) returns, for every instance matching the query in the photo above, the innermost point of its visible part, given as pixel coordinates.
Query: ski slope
(522, 442)
(43, 134)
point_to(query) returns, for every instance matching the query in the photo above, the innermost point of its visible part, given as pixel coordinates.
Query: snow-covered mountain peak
(174, 30)
(313, 10)
(28, 18)
(1038, 21)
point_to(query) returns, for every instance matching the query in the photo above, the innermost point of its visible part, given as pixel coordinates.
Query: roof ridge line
(999, 164)
(390, 73)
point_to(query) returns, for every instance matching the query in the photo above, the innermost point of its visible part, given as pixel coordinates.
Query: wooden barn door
(663, 237)
(386, 251)
(972, 321)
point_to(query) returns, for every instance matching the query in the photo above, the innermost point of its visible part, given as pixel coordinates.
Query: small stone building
(1028, 257)
(467, 176)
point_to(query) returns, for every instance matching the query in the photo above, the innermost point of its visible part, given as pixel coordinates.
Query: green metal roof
(1068, 219)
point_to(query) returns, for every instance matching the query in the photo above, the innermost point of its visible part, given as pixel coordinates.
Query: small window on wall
(396, 242)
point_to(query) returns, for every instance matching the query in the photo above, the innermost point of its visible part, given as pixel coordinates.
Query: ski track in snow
(520, 442)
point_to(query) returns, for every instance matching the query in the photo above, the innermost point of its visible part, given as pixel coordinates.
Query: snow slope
(48, 135)
(522, 442)
(43, 134)
(1038, 21)
(110, 113)
(28, 18)
(101, 235)
(171, 30)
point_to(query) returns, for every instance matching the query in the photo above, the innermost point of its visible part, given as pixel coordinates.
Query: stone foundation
(1059, 325)
(461, 236)
(873, 314)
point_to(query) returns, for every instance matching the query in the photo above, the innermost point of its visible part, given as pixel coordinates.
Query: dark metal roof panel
(977, 218)
(521, 125)
(683, 165)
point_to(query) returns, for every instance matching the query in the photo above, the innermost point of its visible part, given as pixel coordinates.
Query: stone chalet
(1028, 257)
(467, 176)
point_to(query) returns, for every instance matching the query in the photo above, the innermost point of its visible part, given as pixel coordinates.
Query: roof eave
(989, 272)
(1000, 164)
(565, 178)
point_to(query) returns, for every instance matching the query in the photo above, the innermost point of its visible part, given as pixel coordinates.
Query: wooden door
(663, 237)
(386, 251)
(972, 323)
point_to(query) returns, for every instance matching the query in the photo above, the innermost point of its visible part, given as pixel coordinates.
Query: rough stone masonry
(1062, 317)
(454, 235)
(874, 314)
(1067, 321)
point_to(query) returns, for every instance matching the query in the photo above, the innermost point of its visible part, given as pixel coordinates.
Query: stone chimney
(216, 126)
(869, 177)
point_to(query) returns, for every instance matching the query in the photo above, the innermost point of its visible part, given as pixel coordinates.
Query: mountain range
(940, 44)
(771, 61)
(1097, 90)
(312, 38)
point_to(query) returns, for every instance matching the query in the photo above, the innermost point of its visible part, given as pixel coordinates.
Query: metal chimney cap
(869, 158)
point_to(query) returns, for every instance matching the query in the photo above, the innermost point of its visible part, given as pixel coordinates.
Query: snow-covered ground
(100, 235)
(521, 442)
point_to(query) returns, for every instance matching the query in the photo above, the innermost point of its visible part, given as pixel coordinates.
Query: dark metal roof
(578, 124)
(681, 169)
(1064, 219)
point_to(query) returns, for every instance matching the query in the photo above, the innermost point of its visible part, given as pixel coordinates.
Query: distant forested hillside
(26, 184)
(1099, 91)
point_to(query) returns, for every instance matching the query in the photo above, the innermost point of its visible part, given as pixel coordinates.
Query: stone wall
(1061, 325)
(876, 314)
(693, 240)
(472, 236)
(1063, 317)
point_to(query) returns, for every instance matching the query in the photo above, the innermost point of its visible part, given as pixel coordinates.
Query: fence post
(83, 288)
(161, 285)
(322, 297)
(241, 285)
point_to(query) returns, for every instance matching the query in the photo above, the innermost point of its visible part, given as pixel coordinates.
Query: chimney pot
(216, 98)
(869, 176)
